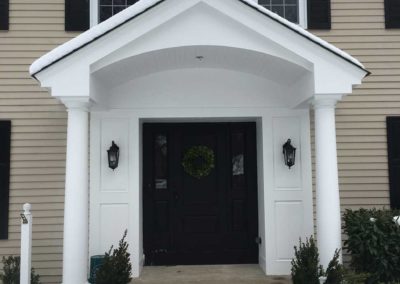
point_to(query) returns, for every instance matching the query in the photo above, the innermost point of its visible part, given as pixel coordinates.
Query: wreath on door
(198, 161)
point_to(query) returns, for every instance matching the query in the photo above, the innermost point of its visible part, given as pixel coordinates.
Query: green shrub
(116, 268)
(335, 271)
(306, 268)
(305, 265)
(351, 277)
(11, 268)
(374, 244)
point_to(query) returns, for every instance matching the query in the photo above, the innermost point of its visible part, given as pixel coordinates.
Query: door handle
(176, 196)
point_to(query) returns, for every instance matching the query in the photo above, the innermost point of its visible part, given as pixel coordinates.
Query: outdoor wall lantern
(113, 156)
(289, 153)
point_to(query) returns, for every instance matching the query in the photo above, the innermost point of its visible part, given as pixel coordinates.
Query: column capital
(77, 103)
(325, 101)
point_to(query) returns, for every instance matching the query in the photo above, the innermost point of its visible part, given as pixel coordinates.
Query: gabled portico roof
(154, 36)
(142, 7)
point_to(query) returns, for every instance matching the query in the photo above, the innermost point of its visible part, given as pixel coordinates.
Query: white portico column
(327, 181)
(76, 222)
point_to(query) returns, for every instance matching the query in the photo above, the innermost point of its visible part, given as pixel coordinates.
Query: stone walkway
(208, 274)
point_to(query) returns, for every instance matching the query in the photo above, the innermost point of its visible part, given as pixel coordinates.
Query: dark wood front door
(200, 220)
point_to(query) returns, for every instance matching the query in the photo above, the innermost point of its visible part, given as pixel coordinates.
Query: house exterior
(165, 77)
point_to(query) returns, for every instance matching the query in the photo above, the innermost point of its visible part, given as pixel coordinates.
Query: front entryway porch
(173, 61)
(209, 274)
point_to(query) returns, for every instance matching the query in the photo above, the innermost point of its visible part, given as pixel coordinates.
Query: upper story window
(101, 10)
(108, 8)
(292, 10)
(288, 9)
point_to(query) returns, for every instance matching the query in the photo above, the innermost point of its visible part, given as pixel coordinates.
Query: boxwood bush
(307, 270)
(305, 265)
(11, 271)
(374, 244)
(116, 268)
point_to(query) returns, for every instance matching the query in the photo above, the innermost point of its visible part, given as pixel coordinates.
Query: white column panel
(113, 223)
(289, 200)
(114, 130)
(111, 197)
(289, 226)
(285, 128)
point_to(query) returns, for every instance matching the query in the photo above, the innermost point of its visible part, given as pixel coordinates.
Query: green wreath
(198, 161)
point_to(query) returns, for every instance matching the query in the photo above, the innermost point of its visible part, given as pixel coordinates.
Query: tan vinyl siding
(358, 27)
(38, 132)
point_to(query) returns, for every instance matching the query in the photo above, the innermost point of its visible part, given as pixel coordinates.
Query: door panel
(189, 220)
(200, 218)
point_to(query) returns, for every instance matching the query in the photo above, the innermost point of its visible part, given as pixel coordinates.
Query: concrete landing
(208, 274)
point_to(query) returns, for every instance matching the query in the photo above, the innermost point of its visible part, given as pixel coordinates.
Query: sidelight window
(238, 148)
(160, 161)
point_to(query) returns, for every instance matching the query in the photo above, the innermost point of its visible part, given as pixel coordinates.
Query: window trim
(303, 14)
(94, 13)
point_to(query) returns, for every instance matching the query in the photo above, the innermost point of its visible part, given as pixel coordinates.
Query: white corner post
(26, 245)
(327, 181)
(76, 221)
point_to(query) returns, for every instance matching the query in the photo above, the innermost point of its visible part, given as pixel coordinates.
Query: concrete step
(208, 274)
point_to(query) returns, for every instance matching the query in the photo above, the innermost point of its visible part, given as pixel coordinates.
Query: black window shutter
(4, 15)
(76, 15)
(319, 14)
(5, 142)
(392, 14)
(393, 139)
